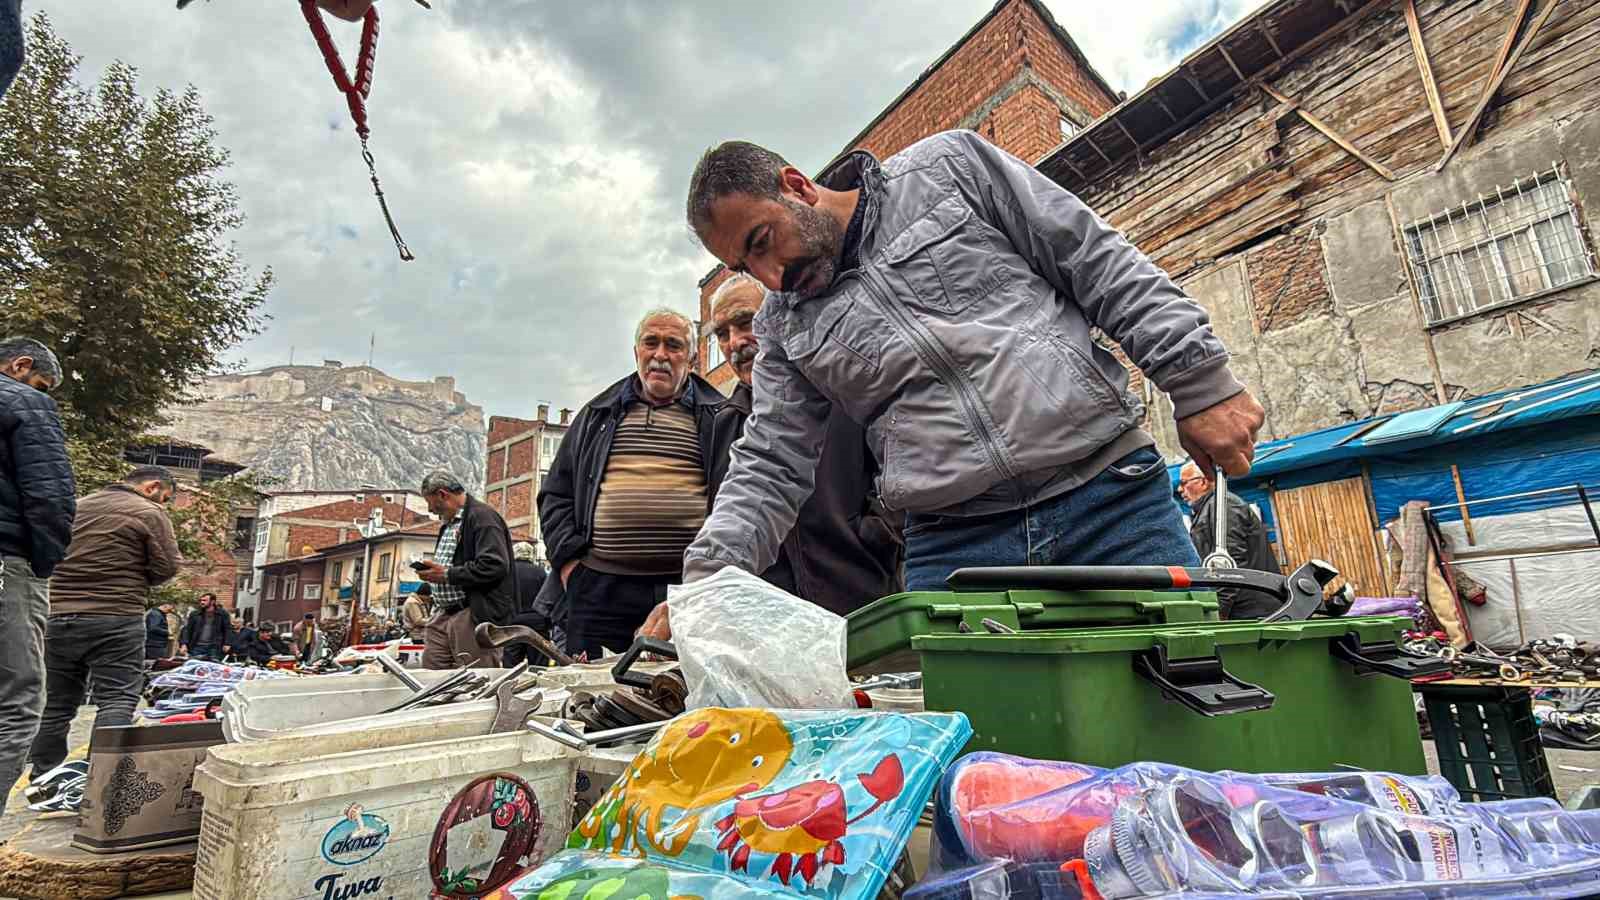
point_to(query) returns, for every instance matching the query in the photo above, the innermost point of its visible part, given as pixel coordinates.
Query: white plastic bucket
(373, 814)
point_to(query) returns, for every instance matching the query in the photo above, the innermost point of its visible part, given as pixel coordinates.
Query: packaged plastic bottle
(1001, 879)
(1407, 795)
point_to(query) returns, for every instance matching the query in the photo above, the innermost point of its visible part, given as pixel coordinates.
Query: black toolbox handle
(1384, 657)
(1201, 684)
(620, 673)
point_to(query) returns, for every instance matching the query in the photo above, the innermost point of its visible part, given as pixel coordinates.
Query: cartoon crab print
(802, 826)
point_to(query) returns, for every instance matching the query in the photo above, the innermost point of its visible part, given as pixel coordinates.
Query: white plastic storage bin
(304, 707)
(369, 814)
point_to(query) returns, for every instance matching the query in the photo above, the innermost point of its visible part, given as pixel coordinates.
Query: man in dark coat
(37, 508)
(631, 484)
(471, 573)
(156, 634)
(1247, 542)
(209, 632)
(845, 549)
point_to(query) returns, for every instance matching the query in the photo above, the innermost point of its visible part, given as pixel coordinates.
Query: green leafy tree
(114, 245)
(115, 226)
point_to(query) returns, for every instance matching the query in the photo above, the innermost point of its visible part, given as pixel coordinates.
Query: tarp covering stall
(1530, 439)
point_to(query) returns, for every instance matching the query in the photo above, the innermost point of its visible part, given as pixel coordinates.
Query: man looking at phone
(471, 573)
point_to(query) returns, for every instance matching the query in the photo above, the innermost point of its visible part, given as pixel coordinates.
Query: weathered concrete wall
(1366, 355)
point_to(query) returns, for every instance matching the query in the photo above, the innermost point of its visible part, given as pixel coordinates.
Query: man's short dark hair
(440, 480)
(311, 615)
(425, 590)
(44, 361)
(734, 167)
(145, 474)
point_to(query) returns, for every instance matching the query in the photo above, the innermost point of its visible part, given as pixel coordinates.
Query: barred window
(1514, 244)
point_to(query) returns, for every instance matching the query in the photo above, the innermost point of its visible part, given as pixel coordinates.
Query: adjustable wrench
(1219, 558)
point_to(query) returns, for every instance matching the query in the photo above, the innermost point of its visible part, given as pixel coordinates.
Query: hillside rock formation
(333, 428)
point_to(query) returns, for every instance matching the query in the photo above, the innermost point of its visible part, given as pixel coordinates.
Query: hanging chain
(356, 91)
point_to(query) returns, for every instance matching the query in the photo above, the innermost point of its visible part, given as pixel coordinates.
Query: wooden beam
(1267, 33)
(1416, 301)
(1089, 139)
(1330, 134)
(1517, 19)
(1231, 64)
(1164, 107)
(1129, 134)
(1461, 498)
(1075, 170)
(1195, 83)
(1429, 86)
(1493, 87)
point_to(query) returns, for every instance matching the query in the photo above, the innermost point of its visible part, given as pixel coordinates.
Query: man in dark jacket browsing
(630, 486)
(208, 634)
(946, 299)
(844, 550)
(471, 573)
(1247, 542)
(122, 546)
(37, 506)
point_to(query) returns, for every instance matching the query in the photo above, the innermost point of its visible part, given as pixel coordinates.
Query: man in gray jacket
(945, 299)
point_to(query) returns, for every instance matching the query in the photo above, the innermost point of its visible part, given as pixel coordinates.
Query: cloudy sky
(535, 154)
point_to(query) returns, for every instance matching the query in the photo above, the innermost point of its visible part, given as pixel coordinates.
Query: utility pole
(372, 348)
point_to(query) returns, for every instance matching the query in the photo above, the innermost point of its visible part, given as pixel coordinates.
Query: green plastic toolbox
(881, 633)
(1311, 696)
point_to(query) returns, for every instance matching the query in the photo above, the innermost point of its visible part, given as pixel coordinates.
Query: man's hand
(432, 572)
(1223, 435)
(566, 572)
(226, 649)
(657, 626)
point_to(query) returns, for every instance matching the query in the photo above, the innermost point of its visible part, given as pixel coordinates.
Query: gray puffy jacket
(961, 341)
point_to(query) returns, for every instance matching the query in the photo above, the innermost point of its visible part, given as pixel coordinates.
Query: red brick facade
(722, 376)
(1011, 81)
(1288, 281)
(517, 456)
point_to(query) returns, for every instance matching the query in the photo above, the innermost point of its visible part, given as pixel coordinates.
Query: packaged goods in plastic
(1154, 830)
(743, 642)
(756, 802)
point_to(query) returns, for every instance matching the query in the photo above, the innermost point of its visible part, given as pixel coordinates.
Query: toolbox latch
(1384, 657)
(1200, 683)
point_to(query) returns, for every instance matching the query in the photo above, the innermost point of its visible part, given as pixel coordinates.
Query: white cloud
(535, 154)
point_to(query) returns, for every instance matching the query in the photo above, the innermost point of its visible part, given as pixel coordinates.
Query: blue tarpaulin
(1543, 436)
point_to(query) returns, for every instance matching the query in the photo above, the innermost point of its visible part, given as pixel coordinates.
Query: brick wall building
(1016, 77)
(328, 524)
(520, 453)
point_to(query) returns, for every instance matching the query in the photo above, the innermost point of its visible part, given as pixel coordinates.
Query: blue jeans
(1124, 516)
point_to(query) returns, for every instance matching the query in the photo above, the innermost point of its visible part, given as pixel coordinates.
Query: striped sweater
(653, 495)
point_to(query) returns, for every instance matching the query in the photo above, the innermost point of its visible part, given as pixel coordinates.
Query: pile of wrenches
(1560, 658)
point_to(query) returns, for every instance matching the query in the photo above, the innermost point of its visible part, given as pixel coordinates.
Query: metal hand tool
(1219, 557)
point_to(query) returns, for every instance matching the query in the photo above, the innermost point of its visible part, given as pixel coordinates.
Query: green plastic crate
(1487, 741)
(880, 634)
(1079, 695)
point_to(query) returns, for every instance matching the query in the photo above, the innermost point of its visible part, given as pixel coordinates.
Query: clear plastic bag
(744, 643)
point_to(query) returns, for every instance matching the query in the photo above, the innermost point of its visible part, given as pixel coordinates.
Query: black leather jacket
(1249, 547)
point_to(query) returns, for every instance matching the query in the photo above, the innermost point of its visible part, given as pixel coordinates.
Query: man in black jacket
(631, 485)
(156, 633)
(471, 573)
(37, 507)
(845, 549)
(1247, 542)
(209, 632)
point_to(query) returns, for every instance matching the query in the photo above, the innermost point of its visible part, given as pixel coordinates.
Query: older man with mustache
(845, 549)
(631, 485)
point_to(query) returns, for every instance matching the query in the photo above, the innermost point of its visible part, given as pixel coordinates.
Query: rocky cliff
(333, 428)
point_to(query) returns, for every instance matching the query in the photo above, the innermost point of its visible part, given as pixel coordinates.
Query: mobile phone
(418, 564)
